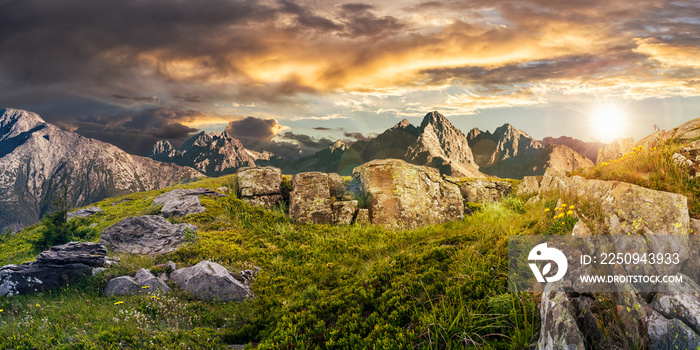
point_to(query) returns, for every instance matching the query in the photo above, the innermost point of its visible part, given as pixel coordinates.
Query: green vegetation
(652, 168)
(321, 286)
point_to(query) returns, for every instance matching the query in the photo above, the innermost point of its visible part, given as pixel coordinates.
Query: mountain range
(37, 159)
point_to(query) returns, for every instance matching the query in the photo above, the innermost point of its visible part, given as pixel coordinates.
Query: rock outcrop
(183, 202)
(310, 199)
(485, 191)
(615, 150)
(260, 186)
(408, 196)
(212, 282)
(53, 269)
(84, 213)
(148, 235)
(37, 159)
(142, 283)
(688, 132)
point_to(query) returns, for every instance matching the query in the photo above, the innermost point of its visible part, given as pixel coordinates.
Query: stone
(615, 150)
(362, 217)
(666, 334)
(143, 283)
(682, 304)
(581, 229)
(222, 189)
(485, 191)
(183, 202)
(261, 186)
(310, 199)
(344, 212)
(148, 235)
(559, 329)
(336, 185)
(210, 281)
(530, 185)
(84, 213)
(259, 181)
(53, 269)
(404, 195)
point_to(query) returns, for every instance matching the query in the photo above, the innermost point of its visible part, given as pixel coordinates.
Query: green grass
(651, 168)
(321, 286)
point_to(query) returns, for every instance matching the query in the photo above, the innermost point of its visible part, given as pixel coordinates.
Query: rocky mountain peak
(161, 147)
(403, 124)
(16, 121)
(435, 119)
(339, 146)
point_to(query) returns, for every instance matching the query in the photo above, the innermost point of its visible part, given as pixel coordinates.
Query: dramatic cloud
(251, 131)
(305, 61)
(136, 133)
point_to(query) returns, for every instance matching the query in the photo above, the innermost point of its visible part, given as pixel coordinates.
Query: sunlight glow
(608, 121)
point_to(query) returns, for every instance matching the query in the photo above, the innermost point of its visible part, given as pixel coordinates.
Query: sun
(608, 121)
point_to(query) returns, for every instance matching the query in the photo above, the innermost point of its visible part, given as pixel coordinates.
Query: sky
(293, 76)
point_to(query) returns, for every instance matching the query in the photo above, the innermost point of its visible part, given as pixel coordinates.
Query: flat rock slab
(148, 235)
(259, 181)
(143, 283)
(183, 202)
(485, 191)
(310, 199)
(53, 269)
(83, 213)
(211, 281)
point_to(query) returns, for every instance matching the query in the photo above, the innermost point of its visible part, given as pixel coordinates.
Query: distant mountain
(436, 142)
(37, 159)
(326, 160)
(588, 149)
(512, 153)
(213, 154)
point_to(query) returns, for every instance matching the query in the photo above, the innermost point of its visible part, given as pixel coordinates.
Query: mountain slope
(512, 153)
(211, 153)
(38, 158)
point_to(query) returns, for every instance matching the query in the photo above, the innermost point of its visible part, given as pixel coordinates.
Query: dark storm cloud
(136, 132)
(137, 98)
(322, 128)
(307, 142)
(357, 136)
(251, 131)
(360, 21)
(188, 98)
(306, 18)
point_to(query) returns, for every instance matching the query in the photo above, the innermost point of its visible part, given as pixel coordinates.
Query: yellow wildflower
(145, 287)
(119, 302)
(546, 210)
(571, 207)
(569, 212)
(1, 310)
(557, 209)
(154, 297)
(37, 305)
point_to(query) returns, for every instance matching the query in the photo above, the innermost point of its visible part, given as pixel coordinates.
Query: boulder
(626, 208)
(83, 213)
(210, 281)
(143, 283)
(406, 195)
(344, 211)
(485, 191)
(336, 185)
(683, 304)
(149, 235)
(530, 185)
(53, 269)
(183, 202)
(559, 329)
(615, 150)
(310, 199)
(260, 186)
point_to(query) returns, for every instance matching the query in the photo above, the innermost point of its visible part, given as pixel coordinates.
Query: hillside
(439, 286)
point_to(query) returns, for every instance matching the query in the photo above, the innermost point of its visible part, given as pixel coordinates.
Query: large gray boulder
(143, 283)
(260, 186)
(559, 329)
(55, 268)
(211, 281)
(485, 191)
(183, 202)
(148, 235)
(84, 213)
(408, 196)
(310, 199)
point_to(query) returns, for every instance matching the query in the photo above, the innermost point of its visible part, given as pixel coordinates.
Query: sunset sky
(292, 76)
